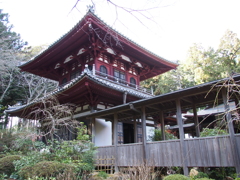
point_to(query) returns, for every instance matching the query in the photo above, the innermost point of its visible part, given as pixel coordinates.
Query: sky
(172, 28)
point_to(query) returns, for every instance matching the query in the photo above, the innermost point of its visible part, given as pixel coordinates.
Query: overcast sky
(173, 28)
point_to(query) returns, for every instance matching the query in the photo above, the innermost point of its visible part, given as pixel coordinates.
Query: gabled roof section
(80, 34)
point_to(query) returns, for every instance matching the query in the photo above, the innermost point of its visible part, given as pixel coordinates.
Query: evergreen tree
(202, 65)
(11, 46)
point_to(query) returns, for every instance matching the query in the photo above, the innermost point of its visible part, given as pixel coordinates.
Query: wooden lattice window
(103, 69)
(119, 76)
(133, 82)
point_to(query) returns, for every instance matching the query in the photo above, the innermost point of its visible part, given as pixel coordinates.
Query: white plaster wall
(103, 132)
(150, 131)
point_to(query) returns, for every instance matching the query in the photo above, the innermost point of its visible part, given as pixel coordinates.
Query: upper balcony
(114, 81)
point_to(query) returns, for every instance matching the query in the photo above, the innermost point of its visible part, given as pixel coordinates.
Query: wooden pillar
(196, 122)
(92, 126)
(92, 121)
(124, 97)
(135, 130)
(115, 134)
(144, 134)
(113, 131)
(162, 125)
(236, 151)
(181, 135)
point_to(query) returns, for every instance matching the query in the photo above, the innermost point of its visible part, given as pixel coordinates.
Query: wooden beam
(189, 100)
(181, 134)
(236, 151)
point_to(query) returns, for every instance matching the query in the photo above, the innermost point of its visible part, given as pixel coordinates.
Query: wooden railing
(113, 80)
(121, 82)
(201, 152)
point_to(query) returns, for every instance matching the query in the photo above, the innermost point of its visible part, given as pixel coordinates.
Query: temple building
(97, 68)
(99, 73)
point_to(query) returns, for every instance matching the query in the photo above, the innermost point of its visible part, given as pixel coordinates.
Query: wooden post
(92, 122)
(115, 122)
(124, 97)
(236, 151)
(144, 134)
(113, 131)
(162, 125)
(181, 135)
(196, 122)
(93, 129)
(135, 130)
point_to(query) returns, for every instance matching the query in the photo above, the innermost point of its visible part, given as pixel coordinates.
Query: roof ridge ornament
(86, 70)
(91, 8)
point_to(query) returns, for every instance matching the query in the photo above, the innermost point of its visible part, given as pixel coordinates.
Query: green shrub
(6, 164)
(6, 139)
(203, 179)
(213, 132)
(201, 175)
(176, 177)
(2, 155)
(29, 160)
(221, 172)
(45, 169)
(103, 175)
(157, 135)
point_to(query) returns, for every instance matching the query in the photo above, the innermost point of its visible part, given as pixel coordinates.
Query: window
(132, 82)
(103, 70)
(119, 76)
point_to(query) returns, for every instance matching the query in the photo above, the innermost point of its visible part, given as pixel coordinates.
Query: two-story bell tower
(96, 67)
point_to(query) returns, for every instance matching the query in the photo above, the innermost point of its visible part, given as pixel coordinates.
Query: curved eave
(80, 28)
(22, 110)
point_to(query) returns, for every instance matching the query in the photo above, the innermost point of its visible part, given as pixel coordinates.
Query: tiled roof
(77, 26)
(96, 79)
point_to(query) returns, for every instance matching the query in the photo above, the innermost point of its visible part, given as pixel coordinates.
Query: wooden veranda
(217, 151)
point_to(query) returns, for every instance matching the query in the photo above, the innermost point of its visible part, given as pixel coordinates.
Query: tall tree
(11, 46)
(170, 81)
(202, 65)
(229, 51)
(15, 85)
(35, 86)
